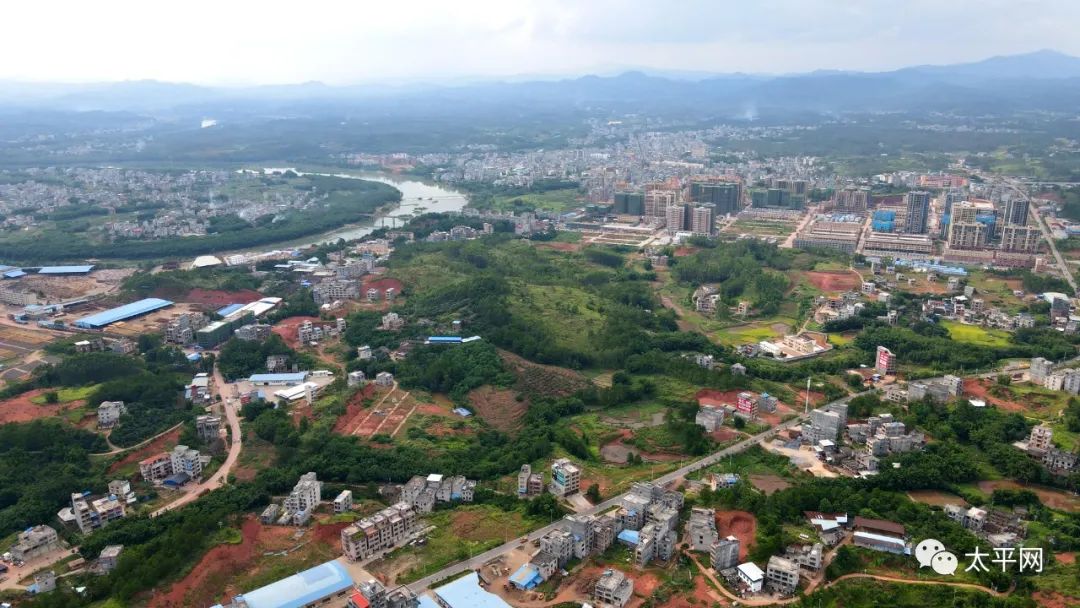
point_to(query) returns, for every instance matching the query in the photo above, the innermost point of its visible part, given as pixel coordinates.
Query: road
(1047, 234)
(118, 450)
(220, 477)
(478, 560)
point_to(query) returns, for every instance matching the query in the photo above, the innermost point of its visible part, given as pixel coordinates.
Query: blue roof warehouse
(313, 586)
(122, 313)
(66, 270)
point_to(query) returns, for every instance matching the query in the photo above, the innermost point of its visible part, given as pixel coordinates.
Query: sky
(241, 42)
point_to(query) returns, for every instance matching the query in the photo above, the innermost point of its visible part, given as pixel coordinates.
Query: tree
(52, 397)
(593, 493)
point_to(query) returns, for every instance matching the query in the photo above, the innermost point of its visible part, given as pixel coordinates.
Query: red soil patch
(353, 410)
(1066, 558)
(739, 524)
(1052, 600)
(979, 389)
(382, 285)
(157, 446)
(815, 398)
(703, 595)
(1055, 499)
(288, 328)
(835, 281)
(330, 533)
(21, 409)
(216, 297)
(708, 396)
(682, 252)
(499, 408)
(723, 434)
(646, 584)
(223, 558)
(559, 246)
(432, 409)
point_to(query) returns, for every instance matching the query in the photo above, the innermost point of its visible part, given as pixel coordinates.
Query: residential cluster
(298, 507)
(423, 492)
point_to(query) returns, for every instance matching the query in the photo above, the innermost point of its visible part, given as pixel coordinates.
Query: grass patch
(973, 334)
(459, 534)
(551, 200)
(67, 395)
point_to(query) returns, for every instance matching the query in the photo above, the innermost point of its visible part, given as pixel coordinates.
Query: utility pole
(806, 406)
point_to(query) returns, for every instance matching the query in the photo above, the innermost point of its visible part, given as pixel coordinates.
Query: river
(416, 197)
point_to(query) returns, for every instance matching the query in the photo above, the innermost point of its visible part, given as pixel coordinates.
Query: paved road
(222, 475)
(478, 560)
(1047, 234)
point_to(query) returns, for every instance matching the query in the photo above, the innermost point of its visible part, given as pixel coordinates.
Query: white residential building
(109, 413)
(565, 477)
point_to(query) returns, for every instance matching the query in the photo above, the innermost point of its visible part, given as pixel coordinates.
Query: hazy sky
(268, 41)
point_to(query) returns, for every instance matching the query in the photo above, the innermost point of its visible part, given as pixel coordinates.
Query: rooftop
(466, 593)
(66, 269)
(751, 571)
(290, 377)
(127, 311)
(301, 589)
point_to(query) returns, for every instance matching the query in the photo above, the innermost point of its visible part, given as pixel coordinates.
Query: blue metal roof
(444, 339)
(14, 274)
(66, 269)
(630, 536)
(526, 577)
(296, 377)
(426, 602)
(466, 592)
(301, 589)
(228, 310)
(120, 313)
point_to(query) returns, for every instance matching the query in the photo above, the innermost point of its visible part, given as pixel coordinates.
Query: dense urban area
(628, 358)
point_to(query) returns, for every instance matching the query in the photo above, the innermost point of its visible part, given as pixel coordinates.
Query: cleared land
(499, 407)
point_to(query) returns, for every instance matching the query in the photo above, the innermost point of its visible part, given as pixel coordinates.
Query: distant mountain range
(1042, 80)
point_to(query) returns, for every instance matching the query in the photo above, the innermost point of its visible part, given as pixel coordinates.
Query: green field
(458, 534)
(973, 334)
(556, 201)
(568, 313)
(67, 395)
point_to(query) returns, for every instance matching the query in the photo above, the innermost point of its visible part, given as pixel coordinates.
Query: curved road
(117, 450)
(222, 475)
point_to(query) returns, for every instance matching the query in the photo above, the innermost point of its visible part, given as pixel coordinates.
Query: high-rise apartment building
(918, 212)
(1018, 238)
(678, 217)
(658, 197)
(726, 196)
(1016, 212)
(703, 220)
(853, 199)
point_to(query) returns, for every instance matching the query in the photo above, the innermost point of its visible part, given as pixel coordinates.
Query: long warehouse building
(122, 313)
